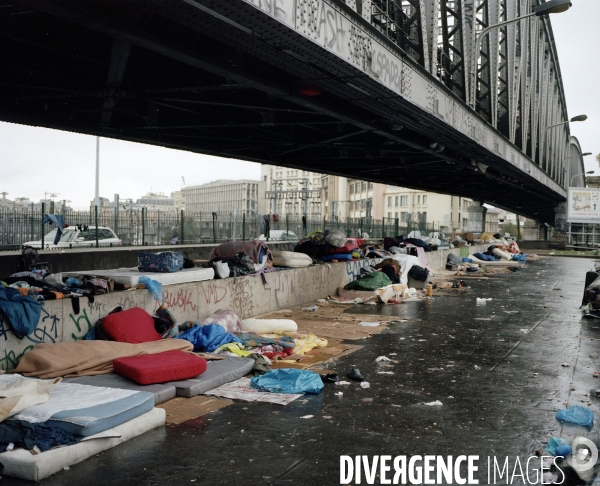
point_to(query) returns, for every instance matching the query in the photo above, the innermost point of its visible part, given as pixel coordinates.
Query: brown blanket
(85, 358)
(251, 248)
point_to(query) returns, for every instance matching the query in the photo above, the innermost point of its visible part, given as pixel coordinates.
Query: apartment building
(443, 210)
(223, 196)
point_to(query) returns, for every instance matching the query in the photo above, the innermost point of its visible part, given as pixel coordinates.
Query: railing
(143, 227)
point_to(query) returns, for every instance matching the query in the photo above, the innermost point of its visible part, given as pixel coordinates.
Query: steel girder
(518, 84)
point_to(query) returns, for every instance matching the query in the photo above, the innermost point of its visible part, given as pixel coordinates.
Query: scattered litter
(312, 308)
(596, 374)
(66, 468)
(482, 301)
(367, 399)
(339, 394)
(450, 396)
(483, 319)
(535, 374)
(365, 384)
(477, 368)
(385, 372)
(437, 403)
(594, 356)
(394, 354)
(501, 340)
(524, 331)
(369, 324)
(553, 443)
(397, 406)
(565, 365)
(322, 301)
(342, 383)
(382, 358)
(577, 415)
(307, 416)
(327, 416)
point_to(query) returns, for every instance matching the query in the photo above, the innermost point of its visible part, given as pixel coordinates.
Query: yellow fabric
(235, 348)
(304, 342)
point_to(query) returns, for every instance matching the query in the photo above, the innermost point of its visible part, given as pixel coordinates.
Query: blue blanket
(208, 338)
(22, 312)
(486, 258)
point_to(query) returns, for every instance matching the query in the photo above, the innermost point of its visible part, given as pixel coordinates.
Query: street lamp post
(582, 174)
(574, 157)
(577, 118)
(549, 7)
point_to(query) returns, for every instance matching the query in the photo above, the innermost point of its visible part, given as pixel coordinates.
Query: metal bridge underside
(171, 74)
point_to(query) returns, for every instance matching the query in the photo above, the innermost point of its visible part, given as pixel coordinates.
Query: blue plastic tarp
(577, 415)
(208, 338)
(288, 380)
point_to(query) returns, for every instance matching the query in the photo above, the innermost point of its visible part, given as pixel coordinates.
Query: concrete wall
(247, 296)
(107, 258)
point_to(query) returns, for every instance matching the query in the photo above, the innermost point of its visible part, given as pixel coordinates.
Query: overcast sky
(39, 160)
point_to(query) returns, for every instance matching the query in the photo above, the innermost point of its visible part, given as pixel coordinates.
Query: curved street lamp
(574, 157)
(549, 7)
(582, 174)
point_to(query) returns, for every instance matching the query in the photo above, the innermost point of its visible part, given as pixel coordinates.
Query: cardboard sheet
(241, 390)
(181, 410)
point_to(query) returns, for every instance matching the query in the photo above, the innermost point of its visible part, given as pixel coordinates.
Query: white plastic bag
(221, 269)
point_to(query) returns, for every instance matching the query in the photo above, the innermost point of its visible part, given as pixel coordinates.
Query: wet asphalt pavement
(497, 369)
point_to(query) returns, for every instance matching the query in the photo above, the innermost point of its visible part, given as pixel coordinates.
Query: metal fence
(144, 227)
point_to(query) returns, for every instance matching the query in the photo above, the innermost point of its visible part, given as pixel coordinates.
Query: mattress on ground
(93, 420)
(162, 392)
(218, 372)
(34, 467)
(131, 276)
(501, 263)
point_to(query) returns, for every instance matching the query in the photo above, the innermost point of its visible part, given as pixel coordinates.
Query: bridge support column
(477, 212)
(560, 225)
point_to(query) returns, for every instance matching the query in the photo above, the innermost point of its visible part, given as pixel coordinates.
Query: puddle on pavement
(408, 310)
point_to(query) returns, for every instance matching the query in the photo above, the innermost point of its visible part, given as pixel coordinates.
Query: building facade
(291, 191)
(224, 196)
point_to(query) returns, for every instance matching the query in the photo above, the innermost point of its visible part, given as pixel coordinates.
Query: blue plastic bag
(553, 444)
(520, 258)
(577, 415)
(288, 380)
(563, 450)
(153, 286)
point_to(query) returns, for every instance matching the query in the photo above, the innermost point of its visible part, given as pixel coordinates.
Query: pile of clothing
(330, 246)
(241, 258)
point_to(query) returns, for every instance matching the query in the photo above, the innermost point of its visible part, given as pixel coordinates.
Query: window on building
(389, 215)
(396, 214)
(278, 175)
(403, 216)
(418, 199)
(403, 200)
(357, 187)
(424, 199)
(364, 186)
(396, 201)
(370, 185)
(351, 188)
(389, 201)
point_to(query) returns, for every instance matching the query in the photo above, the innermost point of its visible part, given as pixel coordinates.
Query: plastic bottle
(310, 309)
(429, 290)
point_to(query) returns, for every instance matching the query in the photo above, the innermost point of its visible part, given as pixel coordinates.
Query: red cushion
(172, 365)
(130, 326)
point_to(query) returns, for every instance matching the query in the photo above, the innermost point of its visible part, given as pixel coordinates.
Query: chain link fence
(144, 227)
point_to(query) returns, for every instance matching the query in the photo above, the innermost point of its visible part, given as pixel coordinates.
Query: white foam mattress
(131, 276)
(22, 464)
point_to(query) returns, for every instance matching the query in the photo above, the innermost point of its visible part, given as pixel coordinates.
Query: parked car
(76, 238)
(280, 235)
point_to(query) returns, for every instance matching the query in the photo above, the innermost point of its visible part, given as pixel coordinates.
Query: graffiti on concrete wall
(213, 293)
(9, 359)
(182, 299)
(82, 323)
(241, 297)
(46, 330)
